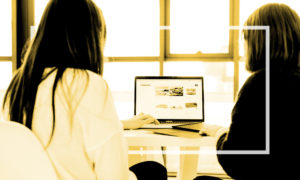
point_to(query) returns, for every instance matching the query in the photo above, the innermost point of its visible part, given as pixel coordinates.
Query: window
(120, 78)
(199, 26)
(247, 7)
(40, 5)
(5, 74)
(218, 86)
(132, 31)
(132, 27)
(5, 45)
(6, 28)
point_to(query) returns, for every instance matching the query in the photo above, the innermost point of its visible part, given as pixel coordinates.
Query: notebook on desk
(171, 100)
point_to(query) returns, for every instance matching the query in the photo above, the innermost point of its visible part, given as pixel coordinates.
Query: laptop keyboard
(162, 125)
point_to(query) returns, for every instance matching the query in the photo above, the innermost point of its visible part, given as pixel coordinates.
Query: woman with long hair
(265, 140)
(249, 130)
(59, 93)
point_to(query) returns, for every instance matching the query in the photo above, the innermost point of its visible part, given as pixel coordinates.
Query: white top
(88, 141)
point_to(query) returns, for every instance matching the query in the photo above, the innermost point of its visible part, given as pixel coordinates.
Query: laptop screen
(170, 98)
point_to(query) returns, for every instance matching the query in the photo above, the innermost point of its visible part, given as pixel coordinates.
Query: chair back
(22, 156)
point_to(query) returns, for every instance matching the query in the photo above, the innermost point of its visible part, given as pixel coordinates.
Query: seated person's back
(87, 130)
(249, 128)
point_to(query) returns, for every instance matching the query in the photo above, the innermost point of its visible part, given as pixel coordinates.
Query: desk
(189, 148)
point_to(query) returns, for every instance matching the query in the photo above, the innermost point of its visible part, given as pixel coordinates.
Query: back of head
(284, 25)
(71, 34)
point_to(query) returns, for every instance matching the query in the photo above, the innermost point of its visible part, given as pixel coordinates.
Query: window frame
(164, 46)
(165, 41)
(22, 20)
(213, 56)
(12, 58)
(164, 55)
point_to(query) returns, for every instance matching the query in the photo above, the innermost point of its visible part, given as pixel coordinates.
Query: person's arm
(105, 145)
(111, 161)
(246, 131)
(247, 128)
(138, 121)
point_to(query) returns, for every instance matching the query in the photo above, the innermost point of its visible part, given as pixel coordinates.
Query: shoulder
(89, 84)
(97, 84)
(83, 74)
(292, 78)
(256, 77)
(255, 83)
(251, 95)
(85, 79)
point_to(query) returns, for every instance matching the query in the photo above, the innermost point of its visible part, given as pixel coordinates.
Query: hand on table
(213, 130)
(138, 121)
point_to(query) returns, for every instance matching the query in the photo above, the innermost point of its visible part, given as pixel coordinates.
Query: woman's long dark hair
(71, 34)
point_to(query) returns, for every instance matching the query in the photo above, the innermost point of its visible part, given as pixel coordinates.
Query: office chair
(21, 154)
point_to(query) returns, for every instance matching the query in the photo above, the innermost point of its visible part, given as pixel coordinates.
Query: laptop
(172, 100)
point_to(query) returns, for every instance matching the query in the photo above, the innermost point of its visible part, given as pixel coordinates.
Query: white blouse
(88, 141)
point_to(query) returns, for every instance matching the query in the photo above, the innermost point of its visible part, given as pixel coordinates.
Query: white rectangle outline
(244, 152)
